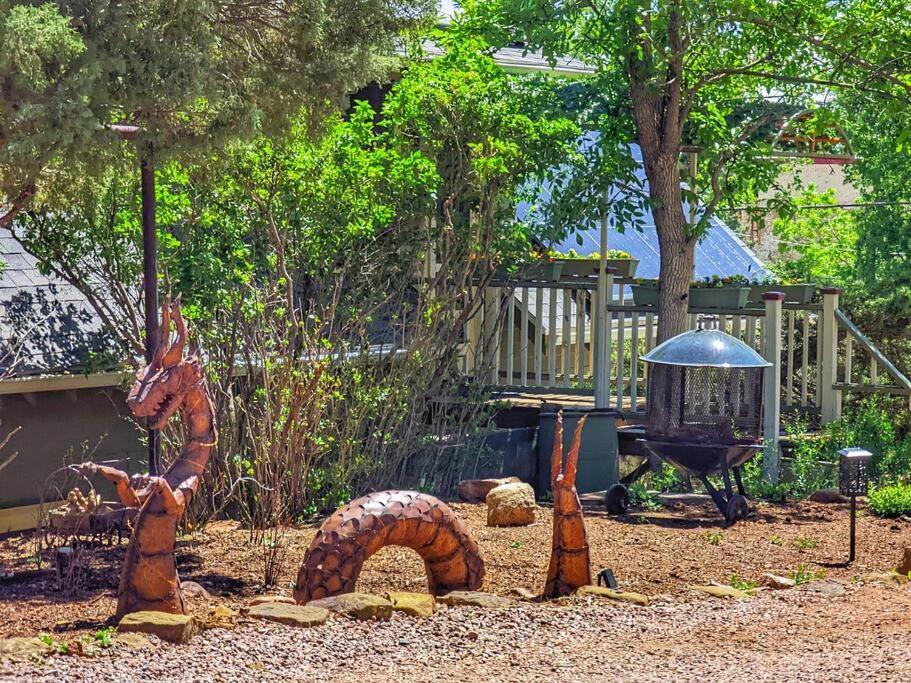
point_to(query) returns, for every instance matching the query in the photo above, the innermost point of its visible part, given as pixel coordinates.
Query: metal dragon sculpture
(407, 518)
(171, 383)
(570, 565)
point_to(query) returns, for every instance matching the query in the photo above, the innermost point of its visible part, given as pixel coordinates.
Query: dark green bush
(893, 500)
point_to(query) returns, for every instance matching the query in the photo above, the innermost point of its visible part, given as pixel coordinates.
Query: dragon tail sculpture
(171, 383)
(570, 566)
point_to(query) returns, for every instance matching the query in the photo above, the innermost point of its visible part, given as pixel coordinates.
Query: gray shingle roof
(46, 324)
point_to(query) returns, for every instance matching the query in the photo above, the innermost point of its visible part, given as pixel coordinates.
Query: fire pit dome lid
(705, 348)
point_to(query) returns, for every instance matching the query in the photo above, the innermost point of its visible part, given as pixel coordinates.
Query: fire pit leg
(716, 495)
(738, 478)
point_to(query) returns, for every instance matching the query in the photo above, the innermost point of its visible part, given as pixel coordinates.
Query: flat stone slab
(360, 606)
(413, 604)
(262, 599)
(131, 641)
(611, 594)
(829, 588)
(175, 628)
(290, 615)
(885, 577)
(474, 599)
(723, 592)
(22, 649)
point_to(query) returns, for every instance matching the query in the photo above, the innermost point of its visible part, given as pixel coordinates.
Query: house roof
(719, 252)
(46, 324)
(514, 59)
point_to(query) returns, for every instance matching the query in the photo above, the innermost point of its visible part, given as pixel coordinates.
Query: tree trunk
(677, 251)
(677, 248)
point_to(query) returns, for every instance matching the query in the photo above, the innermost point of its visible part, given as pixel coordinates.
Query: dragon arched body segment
(407, 518)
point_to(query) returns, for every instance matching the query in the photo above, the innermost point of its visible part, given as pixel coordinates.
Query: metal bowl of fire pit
(705, 388)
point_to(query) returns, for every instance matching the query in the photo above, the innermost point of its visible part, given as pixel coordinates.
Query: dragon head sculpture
(162, 386)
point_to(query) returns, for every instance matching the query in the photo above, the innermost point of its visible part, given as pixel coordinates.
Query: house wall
(59, 428)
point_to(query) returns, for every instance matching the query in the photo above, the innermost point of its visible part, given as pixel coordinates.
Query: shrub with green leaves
(892, 500)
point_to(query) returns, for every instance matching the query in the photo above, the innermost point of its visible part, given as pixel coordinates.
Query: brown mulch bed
(656, 553)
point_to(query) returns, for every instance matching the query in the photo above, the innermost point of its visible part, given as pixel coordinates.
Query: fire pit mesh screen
(707, 404)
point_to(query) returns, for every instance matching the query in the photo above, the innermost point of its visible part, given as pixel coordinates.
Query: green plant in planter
(720, 292)
(718, 282)
(574, 263)
(795, 292)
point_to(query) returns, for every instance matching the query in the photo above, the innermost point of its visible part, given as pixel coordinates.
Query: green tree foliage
(673, 73)
(305, 250)
(817, 244)
(192, 74)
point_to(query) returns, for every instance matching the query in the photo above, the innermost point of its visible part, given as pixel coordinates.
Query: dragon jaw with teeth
(171, 383)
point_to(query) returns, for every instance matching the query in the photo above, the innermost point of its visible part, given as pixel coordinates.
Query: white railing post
(602, 340)
(771, 464)
(829, 397)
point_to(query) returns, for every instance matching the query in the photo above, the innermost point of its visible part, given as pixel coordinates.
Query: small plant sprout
(516, 544)
(714, 537)
(742, 584)
(775, 539)
(805, 574)
(805, 543)
(104, 637)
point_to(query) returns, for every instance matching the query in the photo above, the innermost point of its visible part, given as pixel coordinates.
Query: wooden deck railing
(543, 336)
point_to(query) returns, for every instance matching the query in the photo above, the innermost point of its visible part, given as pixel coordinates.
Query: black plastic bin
(599, 466)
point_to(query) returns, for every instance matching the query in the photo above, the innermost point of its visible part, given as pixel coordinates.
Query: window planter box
(645, 295)
(588, 267)
(732, 298)
(793, 294)
(546, 271)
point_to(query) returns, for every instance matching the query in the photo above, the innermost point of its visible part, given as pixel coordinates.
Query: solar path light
(853, 481)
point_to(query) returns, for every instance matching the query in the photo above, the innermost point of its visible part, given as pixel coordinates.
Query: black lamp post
(149, 266)
(854, 480)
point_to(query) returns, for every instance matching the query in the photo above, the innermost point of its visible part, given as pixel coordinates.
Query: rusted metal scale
(570, 564)
(406, 518)
(171, 383)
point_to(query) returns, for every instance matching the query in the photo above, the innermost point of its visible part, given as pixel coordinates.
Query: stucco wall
(61, 427)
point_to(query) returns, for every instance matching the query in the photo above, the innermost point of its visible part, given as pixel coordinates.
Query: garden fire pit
(707, 409)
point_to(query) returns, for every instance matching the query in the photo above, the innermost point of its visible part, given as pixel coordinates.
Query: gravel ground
(795, 635)
(864, 633)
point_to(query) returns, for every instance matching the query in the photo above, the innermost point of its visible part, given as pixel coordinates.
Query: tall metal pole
(150, 281)
(603, 330)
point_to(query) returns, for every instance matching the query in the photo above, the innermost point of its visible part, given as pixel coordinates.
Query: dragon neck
(198, 416)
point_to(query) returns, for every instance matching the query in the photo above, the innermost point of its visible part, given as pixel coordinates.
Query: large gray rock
(290, 615)
(191, 589)
(361, 606)
(832, 495)
(511, 505)
(175, 628)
